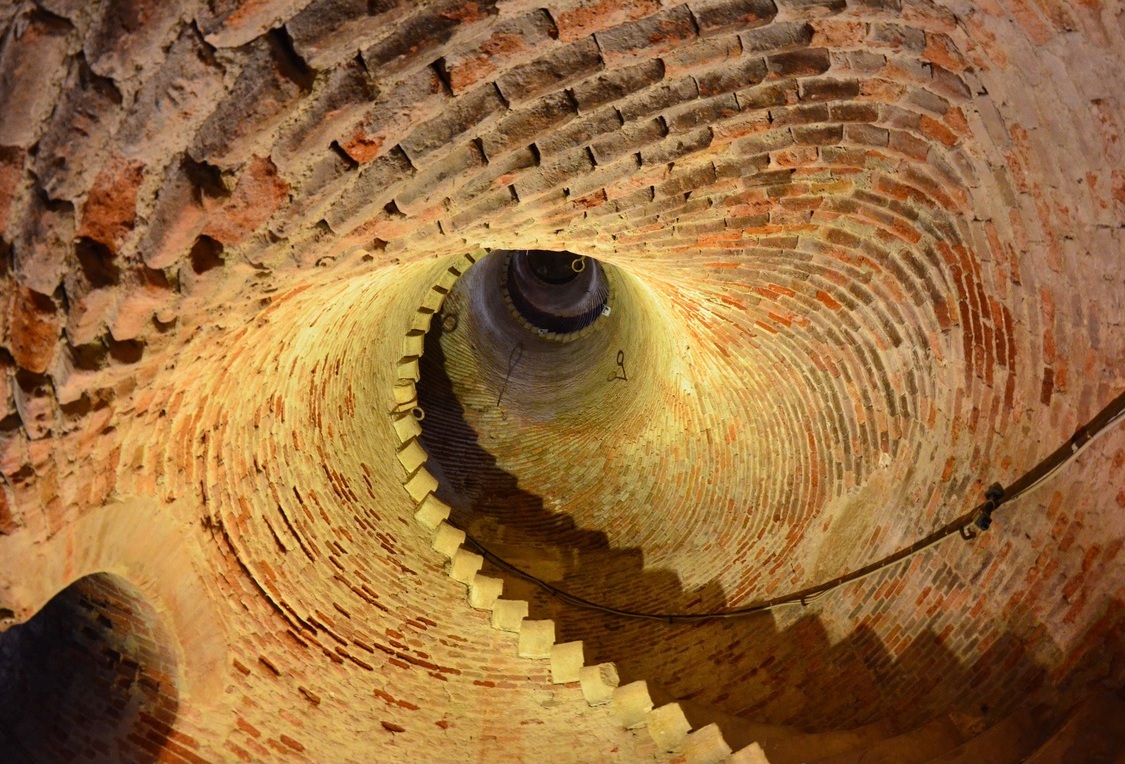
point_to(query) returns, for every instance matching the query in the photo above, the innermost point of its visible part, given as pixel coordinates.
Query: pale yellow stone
(431, 512)
(598, 683)
(507, 615)
(536, 638)
(668, 726)
(706, 746)
(420, 484)
(412, 456)
(447, 539)
(632, 703)
(484, 591)
(465, 565)
(566, 661)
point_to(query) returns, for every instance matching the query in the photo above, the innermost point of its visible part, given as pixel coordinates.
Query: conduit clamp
(983, 518)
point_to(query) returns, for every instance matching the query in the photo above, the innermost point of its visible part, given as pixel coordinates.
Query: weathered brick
(256, 195)
(632, 137)
(703, 54)
(33, 326)
(90, 293)
(513, 41)
(110, 210)
(393, 114)
(799, 63)
(550, 73)
(580, 18)
(471, 113)
(648, 37)
(722, 16)
(268, 86)
(233, 23)
(728, 79)
(327, 32)
(579, 132)
(31, 75)
(523, 126)
(73, 146)
(768, 95)
(810, 8)
(828, 90)
(11, 175)
(441, 179)
(40, 251)
(779, 37)
(486, 208)
(499, 174)
(35, 402)
(372, 186)
(654, 100)
(188, 193)
(707, 111)
(897, 37)
(128, 35)
(335, 105)
(676, 147)
(818, 135)
(617, 84)
(421, 38)
(853, 112)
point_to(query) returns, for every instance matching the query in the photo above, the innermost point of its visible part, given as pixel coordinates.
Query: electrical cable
(967, 526)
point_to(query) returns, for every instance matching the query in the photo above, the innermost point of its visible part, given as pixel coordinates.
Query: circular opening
(556, 292)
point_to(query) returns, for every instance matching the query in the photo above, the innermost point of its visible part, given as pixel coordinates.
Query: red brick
(33, 323)
(258, 193)
(109, 212)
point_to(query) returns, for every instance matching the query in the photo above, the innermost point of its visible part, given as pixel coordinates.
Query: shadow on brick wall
(749, 667)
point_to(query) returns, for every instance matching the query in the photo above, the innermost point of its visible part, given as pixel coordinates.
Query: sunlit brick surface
(867, 259)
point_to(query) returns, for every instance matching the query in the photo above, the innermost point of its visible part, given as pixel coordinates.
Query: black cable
(967, 525)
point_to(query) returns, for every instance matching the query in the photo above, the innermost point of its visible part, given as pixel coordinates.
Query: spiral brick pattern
(866, 259)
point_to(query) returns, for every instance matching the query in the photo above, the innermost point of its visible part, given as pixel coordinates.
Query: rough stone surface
(864, 259)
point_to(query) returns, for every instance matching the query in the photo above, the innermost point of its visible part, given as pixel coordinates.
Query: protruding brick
(257, 194)
(536, 638)
(110, 211)
(598, 683)
(268, 86)
(447, 539)
(431, 512)
(465, 565)
(484, 591)
(420, 484)
(567, 661)
(31, 73)
(172, 103)
(33, 324)
(706, 746)
(668, 726)
(412, 456)
(507, 615)
(43, 247)
(631, 703)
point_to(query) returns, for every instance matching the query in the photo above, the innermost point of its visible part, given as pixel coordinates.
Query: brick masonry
(869, 255)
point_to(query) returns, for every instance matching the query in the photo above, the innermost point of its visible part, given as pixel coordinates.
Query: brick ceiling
(866, 259)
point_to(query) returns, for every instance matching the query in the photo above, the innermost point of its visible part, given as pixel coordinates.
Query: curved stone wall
(868, 262)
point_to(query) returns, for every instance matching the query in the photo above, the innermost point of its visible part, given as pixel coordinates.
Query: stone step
(917, 746)
(1009, 741)
(1093, 732)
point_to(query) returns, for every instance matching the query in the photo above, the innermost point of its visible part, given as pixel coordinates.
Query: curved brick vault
(866, 259)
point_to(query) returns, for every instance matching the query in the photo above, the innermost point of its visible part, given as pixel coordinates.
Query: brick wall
(869, 262)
